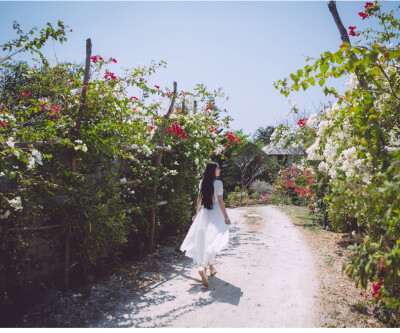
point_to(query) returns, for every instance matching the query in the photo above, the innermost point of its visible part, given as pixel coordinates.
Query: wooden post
(157, 165)
(85, 83)
(67, 248)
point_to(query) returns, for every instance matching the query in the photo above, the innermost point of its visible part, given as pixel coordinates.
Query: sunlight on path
(265, 279)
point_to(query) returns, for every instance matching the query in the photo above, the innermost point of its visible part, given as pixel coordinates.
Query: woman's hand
(227, 220)
(194, 217)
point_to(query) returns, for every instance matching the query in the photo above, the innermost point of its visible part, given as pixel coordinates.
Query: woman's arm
(222, 205)
(197, 207)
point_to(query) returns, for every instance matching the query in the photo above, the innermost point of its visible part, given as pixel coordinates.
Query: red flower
(28, 95)
(302, 122)
(151, 128)
(85, 87)
(158, 87)
(94, 59)
(363, 15)
(113, 60)
(109, 76)
(70, 30)
(3, 124)
(352, 27)
(135, 98)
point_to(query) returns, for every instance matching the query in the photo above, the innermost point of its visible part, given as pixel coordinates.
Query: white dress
(208, 233)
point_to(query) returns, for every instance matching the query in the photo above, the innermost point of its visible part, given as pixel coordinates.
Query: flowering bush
(355, 149)
(293, 186)
(104, 201)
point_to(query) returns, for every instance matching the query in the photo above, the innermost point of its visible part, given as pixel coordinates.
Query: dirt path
(265, 279)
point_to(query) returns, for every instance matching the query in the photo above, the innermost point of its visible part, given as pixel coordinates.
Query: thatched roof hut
(286, 155)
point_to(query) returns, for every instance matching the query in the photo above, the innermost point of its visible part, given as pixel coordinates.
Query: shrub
(261, 187)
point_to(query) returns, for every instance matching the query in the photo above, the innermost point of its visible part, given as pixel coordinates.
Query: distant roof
(279, 150)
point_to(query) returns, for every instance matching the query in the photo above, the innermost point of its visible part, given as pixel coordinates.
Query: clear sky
(241, 46)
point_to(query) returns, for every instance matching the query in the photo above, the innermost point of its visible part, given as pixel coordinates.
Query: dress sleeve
(219, 188)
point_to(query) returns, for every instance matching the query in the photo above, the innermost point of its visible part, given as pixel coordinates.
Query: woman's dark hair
(207, 185)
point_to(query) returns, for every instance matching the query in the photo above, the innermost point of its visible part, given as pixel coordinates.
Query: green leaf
(322, 82)
(311, 80)
(324, 67)
(367, 98)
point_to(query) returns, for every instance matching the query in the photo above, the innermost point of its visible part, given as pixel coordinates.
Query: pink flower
(113, 60)
(158, 87)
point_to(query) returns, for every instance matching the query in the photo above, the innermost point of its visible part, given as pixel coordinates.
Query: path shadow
(218, 291)
(221, 291)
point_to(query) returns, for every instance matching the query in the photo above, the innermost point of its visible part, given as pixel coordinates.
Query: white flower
(78, 141)
(84, 147)
(219, 149)
(146, 150)
(16, 153)
(173, 172)
(31, 162)
(5, 215)
(123, 180)
(312, 120)
(133, 192)
(323, 167)
(37, 156)
(293, 106)
(15, 203)
(10, 142)
(1, 174)
(196, 145)
(323, 125)
(353, 82)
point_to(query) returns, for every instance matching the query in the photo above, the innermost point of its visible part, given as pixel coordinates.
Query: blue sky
(241, 46)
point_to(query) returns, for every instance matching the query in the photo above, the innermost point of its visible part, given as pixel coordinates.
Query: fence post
(67, 254)
(157, 165)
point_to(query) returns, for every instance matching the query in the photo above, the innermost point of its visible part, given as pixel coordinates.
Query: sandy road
(265, 279)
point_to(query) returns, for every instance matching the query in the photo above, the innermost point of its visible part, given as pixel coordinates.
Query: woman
(209, 232)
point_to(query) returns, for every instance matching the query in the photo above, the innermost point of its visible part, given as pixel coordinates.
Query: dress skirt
(207, 235)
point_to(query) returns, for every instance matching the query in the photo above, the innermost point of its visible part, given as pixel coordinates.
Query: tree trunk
(344, 35)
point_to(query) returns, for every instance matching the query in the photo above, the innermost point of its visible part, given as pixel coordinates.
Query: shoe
(203, 275)
(213, 272)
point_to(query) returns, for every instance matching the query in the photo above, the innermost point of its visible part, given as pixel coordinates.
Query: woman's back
(218, 190)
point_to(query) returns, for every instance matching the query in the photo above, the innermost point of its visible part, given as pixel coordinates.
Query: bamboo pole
(47, 227)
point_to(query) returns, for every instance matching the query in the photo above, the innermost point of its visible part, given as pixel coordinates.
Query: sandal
(213, 271)
(203, 275)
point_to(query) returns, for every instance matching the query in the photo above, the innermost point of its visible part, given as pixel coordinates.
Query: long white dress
(208, 233)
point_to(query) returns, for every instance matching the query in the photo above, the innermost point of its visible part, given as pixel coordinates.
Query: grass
(303, 217)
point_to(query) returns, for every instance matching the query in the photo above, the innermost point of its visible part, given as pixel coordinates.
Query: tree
(251, 162)
(262, 136)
